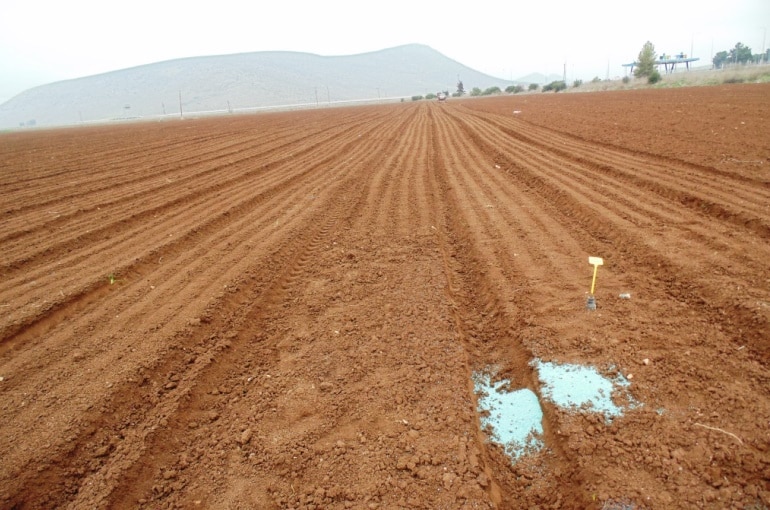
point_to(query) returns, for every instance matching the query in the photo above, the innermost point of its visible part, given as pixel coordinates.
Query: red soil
(298, 302)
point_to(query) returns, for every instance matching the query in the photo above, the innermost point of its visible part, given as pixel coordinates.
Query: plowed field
(286, 310)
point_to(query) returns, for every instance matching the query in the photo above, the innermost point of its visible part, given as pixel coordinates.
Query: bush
(534, 86)
(577, 83)
(514, 89)
(596, 79)
(417, 98)
(654, 77)
(556, 86)
(626, 79)
(491, 90)
(475, 91)
(430, 96)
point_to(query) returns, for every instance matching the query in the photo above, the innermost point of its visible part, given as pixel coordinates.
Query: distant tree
(430, 95)
(491, 90)
(740, 54)
(596, 79)
(514, 89)
(720, 59)
(626, 79)
(645, 63)
(577, 83)
(460, 89)
(475, 91)
(534, 86)
(417, 98)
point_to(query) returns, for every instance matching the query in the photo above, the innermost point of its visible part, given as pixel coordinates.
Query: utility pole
(692, 44)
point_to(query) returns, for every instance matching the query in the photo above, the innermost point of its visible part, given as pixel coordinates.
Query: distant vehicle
(441, 96)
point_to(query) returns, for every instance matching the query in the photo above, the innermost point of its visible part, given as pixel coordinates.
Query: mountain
(539, 78)
(241, 81)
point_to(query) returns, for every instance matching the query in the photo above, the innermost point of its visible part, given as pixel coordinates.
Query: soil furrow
(632, 205)
(83, 225)
(585, 206)
(250, 334)
(302, 305)
(133, 237)
(494, 307)
(743, 205)
(117, 419)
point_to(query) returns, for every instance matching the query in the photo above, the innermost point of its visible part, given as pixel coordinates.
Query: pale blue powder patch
(579, 387)
(514, 418)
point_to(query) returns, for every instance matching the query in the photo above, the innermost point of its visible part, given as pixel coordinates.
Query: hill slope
(246, 80)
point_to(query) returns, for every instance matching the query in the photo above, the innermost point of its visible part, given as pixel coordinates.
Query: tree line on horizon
(740, 54)
(645, 68)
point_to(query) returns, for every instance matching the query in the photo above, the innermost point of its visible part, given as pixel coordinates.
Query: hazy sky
(42, 41)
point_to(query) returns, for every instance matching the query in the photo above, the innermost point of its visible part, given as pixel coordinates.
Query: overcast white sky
(42, 41)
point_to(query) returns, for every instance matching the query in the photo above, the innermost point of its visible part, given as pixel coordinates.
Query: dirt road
(287, 310)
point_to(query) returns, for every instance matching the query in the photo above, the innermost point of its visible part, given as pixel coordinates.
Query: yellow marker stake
(596, 262)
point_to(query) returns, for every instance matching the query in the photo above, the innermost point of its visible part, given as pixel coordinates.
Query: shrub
(416, 98)
(596, 79)
(556, 86)
(654, 77)
(514, 89)
(626, 79)
(491, 90)
(430, 96)
(577, 83)
(534, 86)
(475, 91)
